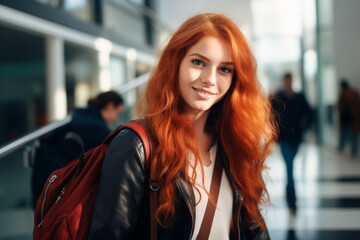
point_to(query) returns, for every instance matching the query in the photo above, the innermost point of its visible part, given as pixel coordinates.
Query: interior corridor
(328, 195)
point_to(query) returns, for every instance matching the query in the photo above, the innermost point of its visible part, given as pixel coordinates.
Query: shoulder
(280, 93)
(127, 142)
(279, 97)
(300, 95)
(89, 114)
(126, 136)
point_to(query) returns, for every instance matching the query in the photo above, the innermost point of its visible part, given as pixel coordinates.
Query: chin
(201, 108)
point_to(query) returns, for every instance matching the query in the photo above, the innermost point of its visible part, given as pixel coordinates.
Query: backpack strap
(73, 145)
(136, 126)
(139, 126)
(154, 186)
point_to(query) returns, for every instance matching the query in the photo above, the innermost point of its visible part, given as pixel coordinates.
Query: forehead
(216, 49)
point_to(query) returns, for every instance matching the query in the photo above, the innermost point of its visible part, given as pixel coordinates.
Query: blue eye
(225, 69)
(198, 62)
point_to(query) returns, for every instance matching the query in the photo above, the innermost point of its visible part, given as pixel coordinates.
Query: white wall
(347, 40)
(175, 12)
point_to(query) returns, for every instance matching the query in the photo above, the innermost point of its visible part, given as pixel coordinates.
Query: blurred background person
(92, 123)
(293, 116)
(88, 128)
(349, 111)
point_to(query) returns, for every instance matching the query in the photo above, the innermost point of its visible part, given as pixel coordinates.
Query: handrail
(19, 143)
(142, 79)
(15, 145)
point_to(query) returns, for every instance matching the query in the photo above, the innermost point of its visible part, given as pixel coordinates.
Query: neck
(204, 139)
(199, 121)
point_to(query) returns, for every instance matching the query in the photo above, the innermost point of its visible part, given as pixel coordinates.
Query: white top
(220, 228)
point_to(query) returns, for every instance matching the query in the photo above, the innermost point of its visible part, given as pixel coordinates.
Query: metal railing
(25, 140)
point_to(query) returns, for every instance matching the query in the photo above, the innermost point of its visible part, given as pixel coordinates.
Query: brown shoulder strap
(206, 223)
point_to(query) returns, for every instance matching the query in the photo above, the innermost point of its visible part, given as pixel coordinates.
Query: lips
(204, 92)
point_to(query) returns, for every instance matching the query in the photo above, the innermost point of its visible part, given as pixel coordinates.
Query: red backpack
(64, 208)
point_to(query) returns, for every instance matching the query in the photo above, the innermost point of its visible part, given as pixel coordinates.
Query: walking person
(294, 116)
(208, 116)
(349, 111)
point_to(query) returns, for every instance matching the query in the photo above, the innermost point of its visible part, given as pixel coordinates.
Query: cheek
(188, 74)
(224, 85)
(194, 74)
(112, 117)
(116, 115)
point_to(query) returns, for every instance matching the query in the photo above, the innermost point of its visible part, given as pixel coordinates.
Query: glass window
(81, 9)
(88, 72)
(277, 31)
(117, 69)
(124, 19)
(22, 83)
(81, 70)
(275, 57)
(328, 112)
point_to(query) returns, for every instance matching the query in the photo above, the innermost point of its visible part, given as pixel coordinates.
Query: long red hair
(242, 119)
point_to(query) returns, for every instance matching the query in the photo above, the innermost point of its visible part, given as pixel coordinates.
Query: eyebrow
(206, 59)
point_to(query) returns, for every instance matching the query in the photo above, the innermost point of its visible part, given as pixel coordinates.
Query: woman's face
(111, 112)
(205, 74)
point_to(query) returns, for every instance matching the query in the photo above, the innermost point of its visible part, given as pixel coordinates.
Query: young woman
(203, 104)
(102, 111)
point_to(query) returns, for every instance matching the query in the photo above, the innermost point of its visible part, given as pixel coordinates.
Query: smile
(203, 93)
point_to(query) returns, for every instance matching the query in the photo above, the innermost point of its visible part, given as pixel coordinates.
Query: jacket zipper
(51, 180)
(238, 218)
(183, 192)
(60, 194)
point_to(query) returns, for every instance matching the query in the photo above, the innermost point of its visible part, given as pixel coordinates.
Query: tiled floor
(328, 191)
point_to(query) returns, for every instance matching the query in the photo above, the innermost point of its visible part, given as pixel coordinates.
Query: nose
(209, 76)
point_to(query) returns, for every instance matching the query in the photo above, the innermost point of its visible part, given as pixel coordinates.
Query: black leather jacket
(121, 208)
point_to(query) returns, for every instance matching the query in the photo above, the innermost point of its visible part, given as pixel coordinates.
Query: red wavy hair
(242, 119)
